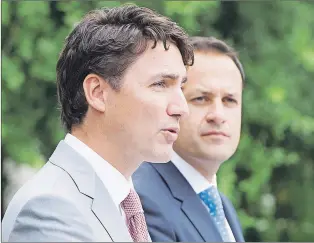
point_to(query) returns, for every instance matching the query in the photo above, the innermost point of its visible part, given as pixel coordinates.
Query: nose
(178, 106)
(216, 113)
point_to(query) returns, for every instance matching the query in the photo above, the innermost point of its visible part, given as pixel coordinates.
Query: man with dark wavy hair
(119, 79)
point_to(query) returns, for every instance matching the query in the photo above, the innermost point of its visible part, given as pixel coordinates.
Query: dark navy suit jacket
(173, 211)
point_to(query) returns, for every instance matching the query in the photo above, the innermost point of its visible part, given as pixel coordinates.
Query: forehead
(214, 71)
(158, 60)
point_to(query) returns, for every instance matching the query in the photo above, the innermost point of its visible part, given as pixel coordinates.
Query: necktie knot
(135, 219)
(211, 199)
(131, 205)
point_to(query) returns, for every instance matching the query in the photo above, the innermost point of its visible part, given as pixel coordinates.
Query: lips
(214, 133)
(171, 134)
(172, 129)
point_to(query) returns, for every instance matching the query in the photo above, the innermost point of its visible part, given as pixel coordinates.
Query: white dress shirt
(117, 185)
(197, 181)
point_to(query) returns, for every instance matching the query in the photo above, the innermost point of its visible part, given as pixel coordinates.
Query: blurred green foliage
(271, 177)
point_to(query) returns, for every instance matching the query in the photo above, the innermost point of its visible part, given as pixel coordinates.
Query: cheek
(235, 124)
(150, 114)
(192, 123)
(235, 118)
(139, 105)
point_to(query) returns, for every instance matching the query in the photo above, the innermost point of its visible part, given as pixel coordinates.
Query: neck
(204, 166)
(119, 158)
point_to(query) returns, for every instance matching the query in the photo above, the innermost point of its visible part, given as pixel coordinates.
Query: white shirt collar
(197, 181)
(117, 185)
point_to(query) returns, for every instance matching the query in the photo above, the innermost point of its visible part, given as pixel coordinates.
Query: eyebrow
(184, 80)
(232, 94)
(170, 76)
(204, 92)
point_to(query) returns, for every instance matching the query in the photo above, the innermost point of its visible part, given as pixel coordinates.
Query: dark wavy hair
(106, 42)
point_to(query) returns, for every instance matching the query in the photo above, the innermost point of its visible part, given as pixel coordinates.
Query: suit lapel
(232, 219)
(89, 184)
(191, 204)
(200, 218)
(108, 214)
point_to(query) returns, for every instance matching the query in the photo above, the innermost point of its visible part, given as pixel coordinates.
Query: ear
(96, 91)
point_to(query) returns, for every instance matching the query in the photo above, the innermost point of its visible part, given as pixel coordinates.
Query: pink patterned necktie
(135, 219)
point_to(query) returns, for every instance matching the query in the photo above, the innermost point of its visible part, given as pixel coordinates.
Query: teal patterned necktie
(212, 201)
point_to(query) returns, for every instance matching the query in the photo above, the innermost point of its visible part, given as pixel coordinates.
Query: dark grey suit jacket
(174, 211)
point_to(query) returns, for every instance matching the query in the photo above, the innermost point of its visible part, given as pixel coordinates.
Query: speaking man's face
(146, 111)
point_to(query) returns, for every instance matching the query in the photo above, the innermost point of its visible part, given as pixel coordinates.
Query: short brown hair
(207, 44)
(106, 42)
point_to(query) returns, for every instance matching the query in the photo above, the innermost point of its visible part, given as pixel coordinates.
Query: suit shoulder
(49, 180)
(50, 203)
(152, 188)
(41, 215)
(147, 180)
(225, 199)
(228, 203)
(145, 167)
(145, 173)
(49, 185)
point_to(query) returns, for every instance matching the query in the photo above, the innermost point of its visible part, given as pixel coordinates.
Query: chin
(162, 156)
(222, 157)
(161, 159)
(218, 153)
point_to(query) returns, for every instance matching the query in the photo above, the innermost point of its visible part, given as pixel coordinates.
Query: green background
(271, 177)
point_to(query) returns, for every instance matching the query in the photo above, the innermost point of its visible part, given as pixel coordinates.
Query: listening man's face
(146, 111)
(214, 96)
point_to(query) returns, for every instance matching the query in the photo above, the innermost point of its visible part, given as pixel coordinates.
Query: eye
(183, 83)
(161, 84)
(200, 99)
(230, 100)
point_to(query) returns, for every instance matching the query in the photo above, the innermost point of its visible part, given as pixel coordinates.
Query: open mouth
(171, 134)
(172, 131)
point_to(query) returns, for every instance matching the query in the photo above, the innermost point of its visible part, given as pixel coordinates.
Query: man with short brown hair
(180, 198)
